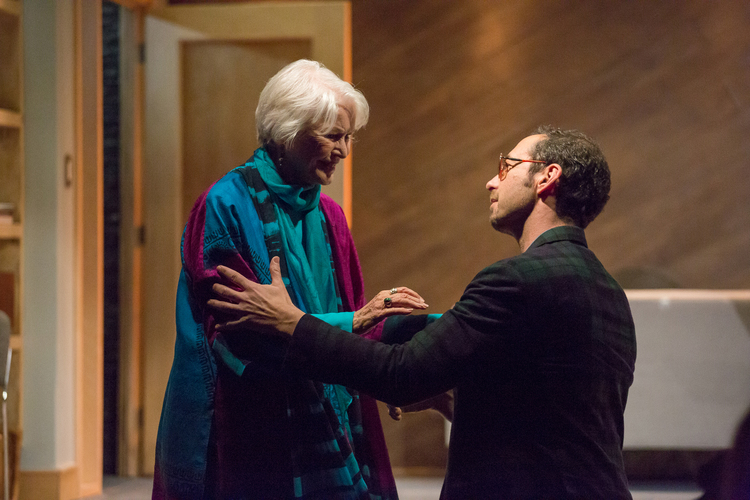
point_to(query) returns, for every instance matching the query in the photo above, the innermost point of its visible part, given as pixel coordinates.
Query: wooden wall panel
(10, 54)
(663, 86)
(10, 166)
(222, 84)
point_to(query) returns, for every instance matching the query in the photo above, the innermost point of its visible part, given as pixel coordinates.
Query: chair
(4, 376)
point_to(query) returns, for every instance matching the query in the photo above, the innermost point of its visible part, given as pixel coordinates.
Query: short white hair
(305, 96)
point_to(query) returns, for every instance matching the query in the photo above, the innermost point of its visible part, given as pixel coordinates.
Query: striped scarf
(324, 464)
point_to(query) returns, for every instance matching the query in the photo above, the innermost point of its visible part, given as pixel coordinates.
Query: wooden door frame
(131, 249)
(89, 263)
(90, 245)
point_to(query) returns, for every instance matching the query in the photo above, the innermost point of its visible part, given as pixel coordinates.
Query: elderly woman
(230, 428)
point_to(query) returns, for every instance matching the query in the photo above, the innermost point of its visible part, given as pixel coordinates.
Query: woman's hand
(442, 403)
(400, 300)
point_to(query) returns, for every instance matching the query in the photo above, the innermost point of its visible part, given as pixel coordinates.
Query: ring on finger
(393, 290)
(388, 302)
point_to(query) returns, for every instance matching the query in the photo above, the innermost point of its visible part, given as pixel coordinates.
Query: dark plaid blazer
(540, 350)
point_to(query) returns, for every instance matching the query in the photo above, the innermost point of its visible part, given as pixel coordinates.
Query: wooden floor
(409, 489)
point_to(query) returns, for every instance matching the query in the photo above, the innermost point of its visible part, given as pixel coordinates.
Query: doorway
(111, 146)
(205, 66)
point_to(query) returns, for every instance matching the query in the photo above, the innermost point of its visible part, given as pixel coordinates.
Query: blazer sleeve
(436, 358)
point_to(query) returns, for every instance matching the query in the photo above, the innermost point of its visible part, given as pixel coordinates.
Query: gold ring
(388, 302)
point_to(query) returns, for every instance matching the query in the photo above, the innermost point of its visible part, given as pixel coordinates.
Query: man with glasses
(540, 349)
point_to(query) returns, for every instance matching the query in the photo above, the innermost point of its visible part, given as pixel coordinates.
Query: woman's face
(313, 156)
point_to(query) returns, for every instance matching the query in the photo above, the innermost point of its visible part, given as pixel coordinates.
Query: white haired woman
(230, 428)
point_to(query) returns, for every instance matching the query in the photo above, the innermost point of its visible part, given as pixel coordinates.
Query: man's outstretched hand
(265, 308)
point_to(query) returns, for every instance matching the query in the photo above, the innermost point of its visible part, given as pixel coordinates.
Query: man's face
(513, 198)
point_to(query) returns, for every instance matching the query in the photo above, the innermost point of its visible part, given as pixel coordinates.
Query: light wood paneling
(89, 248)
(222, 82)
(10, 168)
(663, 86)
(11, 7)
(134, 4)
(10, 231)
(10, 56)
(131, 182)
(10, 119)
(51, 484)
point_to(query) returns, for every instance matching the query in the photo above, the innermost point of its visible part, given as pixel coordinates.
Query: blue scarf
(308, 254)
(310, 268)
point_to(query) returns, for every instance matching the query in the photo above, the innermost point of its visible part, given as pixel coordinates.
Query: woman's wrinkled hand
(399, 300)
(394, 412)
(442, 403)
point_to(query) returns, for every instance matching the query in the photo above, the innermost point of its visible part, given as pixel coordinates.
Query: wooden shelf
(11, 231)
(10, 118)
(12, 7)
(12, 191)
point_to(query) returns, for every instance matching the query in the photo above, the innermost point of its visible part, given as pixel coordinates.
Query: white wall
(48, 279)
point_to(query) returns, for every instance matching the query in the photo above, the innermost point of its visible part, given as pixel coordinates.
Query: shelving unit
(10, 119)
(10, 231)
(11, 190)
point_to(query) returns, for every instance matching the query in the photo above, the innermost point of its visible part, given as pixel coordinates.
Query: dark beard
(512, 224)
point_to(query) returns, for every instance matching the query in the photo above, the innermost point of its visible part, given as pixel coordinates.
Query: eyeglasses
(503, 166)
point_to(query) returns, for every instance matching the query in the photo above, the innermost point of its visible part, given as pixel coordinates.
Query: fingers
(275, 268)
(228, 297)
(402, 300)
(220, 305)
(408, 291)
(394, 311)
(411, 302)
(228, 326)
(225, 292)
(233, 276)
(242, 282)
(394, 412)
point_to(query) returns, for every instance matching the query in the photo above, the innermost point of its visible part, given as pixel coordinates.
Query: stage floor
(411, 488)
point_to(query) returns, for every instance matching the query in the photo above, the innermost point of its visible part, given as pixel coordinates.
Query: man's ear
(547, 185)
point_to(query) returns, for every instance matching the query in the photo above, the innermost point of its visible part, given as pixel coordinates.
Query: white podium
(692, 373)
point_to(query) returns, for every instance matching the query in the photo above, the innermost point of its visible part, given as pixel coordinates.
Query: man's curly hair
(583, 187)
